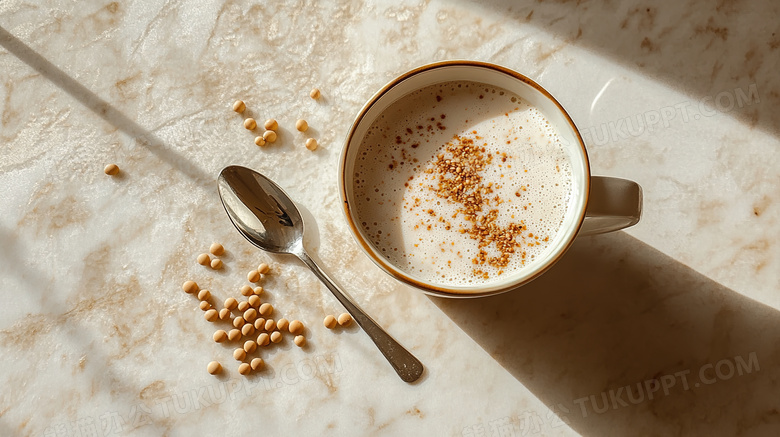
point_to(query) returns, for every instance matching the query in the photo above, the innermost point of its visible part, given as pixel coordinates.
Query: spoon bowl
(266, 216)
(260, 210)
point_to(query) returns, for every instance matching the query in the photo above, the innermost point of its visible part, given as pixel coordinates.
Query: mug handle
(613, 204)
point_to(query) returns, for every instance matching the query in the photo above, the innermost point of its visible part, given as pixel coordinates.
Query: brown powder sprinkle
(458, 174)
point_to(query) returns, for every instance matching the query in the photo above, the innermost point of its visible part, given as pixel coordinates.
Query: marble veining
(97, 338)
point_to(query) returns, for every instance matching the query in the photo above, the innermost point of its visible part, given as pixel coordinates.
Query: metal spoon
(269, 219)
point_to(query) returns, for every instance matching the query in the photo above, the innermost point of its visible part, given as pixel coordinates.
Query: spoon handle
(405, 364)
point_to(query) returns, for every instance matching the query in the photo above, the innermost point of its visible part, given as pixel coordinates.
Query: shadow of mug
(620, 339)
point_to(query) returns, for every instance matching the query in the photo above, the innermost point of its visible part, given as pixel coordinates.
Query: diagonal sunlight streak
(102, 108)
(693, 67)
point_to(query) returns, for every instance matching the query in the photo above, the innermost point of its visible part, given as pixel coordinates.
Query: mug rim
(434, 289)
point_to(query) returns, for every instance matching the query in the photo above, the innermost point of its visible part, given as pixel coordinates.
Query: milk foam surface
(398, 182)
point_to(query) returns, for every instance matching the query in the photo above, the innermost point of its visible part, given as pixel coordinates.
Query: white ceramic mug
(598, 204)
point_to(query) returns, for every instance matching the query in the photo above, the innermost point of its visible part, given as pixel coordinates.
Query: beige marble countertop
(668, 328)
